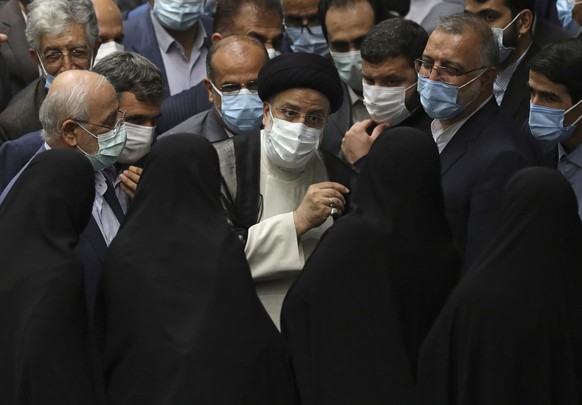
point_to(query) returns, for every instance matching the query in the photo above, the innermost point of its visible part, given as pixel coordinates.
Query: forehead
(303, 99)
(252, 19)
(300, 8)
(238, 59)
(72, 35)
(132, 106)
(397, 65)
(541, 83)
(353, 21)
(474, 6)
(463, 49)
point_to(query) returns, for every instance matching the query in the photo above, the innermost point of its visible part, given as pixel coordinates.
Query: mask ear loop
(574, 106)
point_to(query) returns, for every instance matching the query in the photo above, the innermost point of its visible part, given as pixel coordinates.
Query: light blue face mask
(308, 39)
(504, 51)
(240, 112)
(439, 99)
(547, 124)
(111, 145)
(178, 15)
(564, 9)
(349, 67)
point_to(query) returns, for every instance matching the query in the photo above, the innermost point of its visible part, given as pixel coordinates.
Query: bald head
(109, 21)
(235, 50)
(76, 96)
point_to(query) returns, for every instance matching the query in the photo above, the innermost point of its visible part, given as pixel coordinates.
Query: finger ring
(330, 202)
(334, 212)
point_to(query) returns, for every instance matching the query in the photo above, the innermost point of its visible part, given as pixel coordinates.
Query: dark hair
(561, 62)
(227, 10)
(393, 38)
(516, 6)
(226, 42)
(128, 71)
(325, 5)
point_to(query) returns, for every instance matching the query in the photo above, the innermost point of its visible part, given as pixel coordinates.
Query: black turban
(306, 70)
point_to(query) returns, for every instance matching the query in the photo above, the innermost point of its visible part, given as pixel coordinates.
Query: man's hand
(129, 180)
(3, 38)
(320, 201)
(357, 143)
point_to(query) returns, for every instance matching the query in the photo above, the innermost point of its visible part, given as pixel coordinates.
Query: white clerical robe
(274, 253)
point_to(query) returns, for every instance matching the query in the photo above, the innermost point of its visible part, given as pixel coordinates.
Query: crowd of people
(291, 202)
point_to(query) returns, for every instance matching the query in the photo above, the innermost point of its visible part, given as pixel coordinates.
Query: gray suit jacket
(21, 68)
(204, 124)
(21, 115)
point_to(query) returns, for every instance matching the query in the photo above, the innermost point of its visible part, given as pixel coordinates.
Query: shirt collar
(575, 156)
(504, 77)
(166, 41)
(354, 97)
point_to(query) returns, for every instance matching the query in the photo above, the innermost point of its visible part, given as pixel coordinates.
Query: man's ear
(217, 36)
(34, 56)
(68, 133)
(209, 90)
(265, 113)
(525, 21)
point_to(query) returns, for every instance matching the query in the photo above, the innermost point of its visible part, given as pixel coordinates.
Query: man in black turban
(281, 193)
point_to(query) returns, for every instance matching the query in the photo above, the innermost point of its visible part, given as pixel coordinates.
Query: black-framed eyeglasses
(115, 127)
(232, 89)
(425, 68)
(311, 120)
(76, 55)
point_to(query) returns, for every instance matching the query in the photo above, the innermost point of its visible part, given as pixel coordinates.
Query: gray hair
(67, 103)
(128, 71)
(51, 17)
(462, 23)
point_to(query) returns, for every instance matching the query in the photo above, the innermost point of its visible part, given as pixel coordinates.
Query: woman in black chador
(45, 352)
(368, 295)
(183, 324)
(511, 332)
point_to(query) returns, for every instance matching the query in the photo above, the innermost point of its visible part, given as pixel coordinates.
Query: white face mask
(290, 145)
(386, 104)
(107, 49)
(272, 52)
(504, 51)
(349, 67)
(139, 142)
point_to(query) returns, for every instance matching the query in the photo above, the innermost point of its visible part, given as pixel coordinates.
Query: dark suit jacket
(92, 248)
(475, 166)
(21, 115)
(205, 124)
(182, 106)
(546, 32)
(21, 67)
(337, 125)
(5, 92)
(140, 37)
(15, 154)
(515, 103)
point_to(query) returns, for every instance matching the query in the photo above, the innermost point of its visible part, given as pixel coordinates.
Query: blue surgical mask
(48, 78)
(308, 39)
(349, 67)
(242, 111)
(178, 15)
(111, 145)
(564, 8)
(547, 124)
(504, 51)
(439, 99)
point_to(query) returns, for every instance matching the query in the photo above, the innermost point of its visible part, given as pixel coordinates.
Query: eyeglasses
(76, 55)
(232, 89)
(312, 121)
(115, 127)
(296, 22)
(425, 68)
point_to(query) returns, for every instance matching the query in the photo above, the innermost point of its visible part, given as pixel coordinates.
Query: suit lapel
(468, 132)
(211, 129)
(92, 234)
